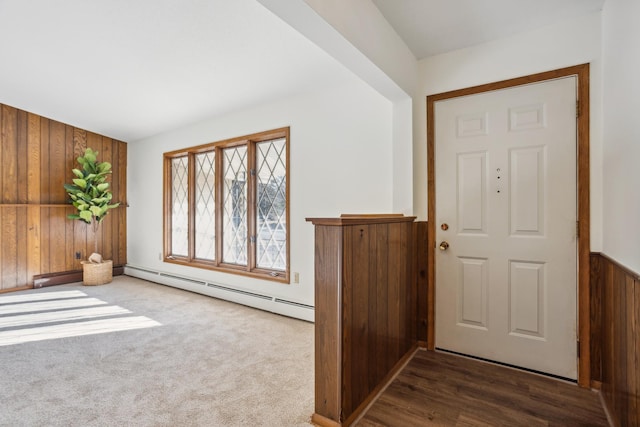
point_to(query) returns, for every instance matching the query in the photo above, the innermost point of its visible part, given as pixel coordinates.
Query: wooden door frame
(582, 159)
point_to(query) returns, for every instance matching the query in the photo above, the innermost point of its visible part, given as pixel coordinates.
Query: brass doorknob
(444, 246)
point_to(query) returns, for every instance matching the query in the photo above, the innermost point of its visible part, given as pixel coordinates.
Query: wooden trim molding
(20, 288)
(381, 387)
(62, 278)
(583, 192)
(319, 420)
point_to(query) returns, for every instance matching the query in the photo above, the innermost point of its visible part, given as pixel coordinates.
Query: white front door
(506, 205)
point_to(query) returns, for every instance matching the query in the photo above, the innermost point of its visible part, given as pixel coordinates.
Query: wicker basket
(97, 274)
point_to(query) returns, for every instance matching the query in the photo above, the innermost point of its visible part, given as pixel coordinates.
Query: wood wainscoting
(366, 297)
(36, 238)
(615, 338)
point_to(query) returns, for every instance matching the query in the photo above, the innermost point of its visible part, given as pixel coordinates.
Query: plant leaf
(71, 188)
(80, 183)
(86, 216)
(95, 210)
(90, 155)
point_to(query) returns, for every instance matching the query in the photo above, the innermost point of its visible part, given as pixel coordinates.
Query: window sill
(282, 276)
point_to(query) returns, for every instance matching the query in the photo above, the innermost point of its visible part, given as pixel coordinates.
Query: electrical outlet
(78, 255)
(296, 277)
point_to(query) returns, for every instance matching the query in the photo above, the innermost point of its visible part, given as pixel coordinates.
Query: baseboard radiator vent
(186, 279)
(252, 299)
(296, 304)
(239, 291)
(144, 270)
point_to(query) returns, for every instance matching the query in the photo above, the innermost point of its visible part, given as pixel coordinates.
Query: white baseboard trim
(224, 292)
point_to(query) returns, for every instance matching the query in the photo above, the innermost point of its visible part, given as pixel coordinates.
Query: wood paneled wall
(615, 338)
(36, 158)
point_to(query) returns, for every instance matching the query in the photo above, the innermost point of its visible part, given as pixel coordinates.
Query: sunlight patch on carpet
(27, 318)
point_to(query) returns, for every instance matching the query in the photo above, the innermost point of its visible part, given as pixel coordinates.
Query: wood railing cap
(355, 219)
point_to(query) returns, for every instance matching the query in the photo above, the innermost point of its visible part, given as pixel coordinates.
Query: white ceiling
(131, 69)
(430, 27)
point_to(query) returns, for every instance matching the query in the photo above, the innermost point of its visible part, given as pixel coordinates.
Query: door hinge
(577, 228)
(577, 109)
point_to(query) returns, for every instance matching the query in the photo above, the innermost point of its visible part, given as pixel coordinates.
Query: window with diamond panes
(205, 183)
(271, 224)
(228, 206)
(179, 207)
(234, 212)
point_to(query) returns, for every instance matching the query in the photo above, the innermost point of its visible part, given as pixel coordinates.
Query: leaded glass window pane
(179, 207)
(271, 218)
(234, 223)
(205, 206)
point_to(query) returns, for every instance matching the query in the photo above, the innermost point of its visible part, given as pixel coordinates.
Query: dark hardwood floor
(447, 390)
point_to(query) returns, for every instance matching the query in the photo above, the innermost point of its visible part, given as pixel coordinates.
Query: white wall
(621, 204)
(340, 161)
(356, 34)
(568, 43)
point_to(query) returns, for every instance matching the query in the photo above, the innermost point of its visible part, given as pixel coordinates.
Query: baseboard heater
(216, 290)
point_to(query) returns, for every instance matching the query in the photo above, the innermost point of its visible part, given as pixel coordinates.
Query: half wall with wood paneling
(615, 338)
(36, 158)
(366, 315)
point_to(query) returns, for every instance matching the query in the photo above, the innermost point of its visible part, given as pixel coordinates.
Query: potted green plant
(91, 196)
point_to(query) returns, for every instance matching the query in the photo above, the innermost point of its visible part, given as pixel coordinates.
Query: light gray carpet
(208, 363)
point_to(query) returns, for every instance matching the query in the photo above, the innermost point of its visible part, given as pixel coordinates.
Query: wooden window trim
(251, 269)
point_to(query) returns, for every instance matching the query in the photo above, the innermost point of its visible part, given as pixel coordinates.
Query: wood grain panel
(381, 331)
(422, 281)
(33, 243)
(80, 229)
(1, 249)
(348, 329)
(33, 159)
(9, 157)
(9, 249)
(373, 300)
(56, 179)
(94, 141)
(2, 115)
(615, 295)
(70, 262)
(21, 158)
(107, 223)
(328, 322)
(121, 212)
(115, 189)
(393, 283)
(21, 247)
(45, 187)
(36, 238)
(597, 324)
(58, 173)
